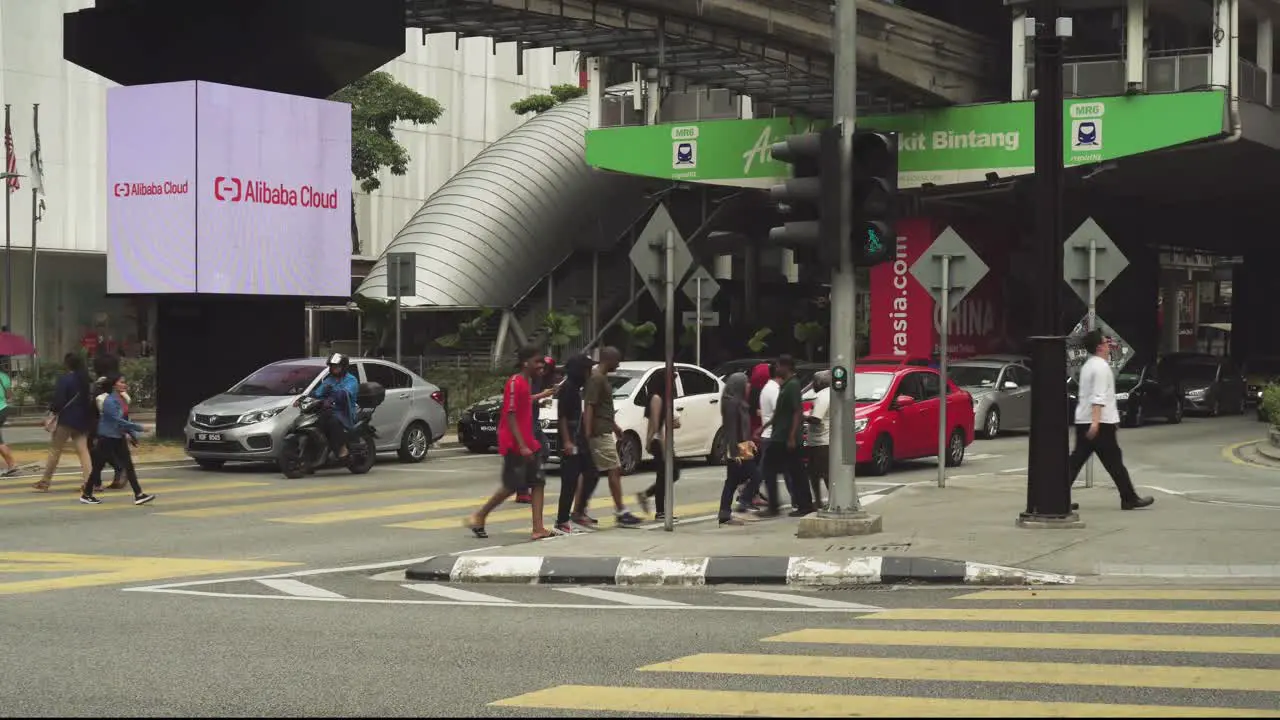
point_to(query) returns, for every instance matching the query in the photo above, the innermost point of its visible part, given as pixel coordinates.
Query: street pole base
(842, 525)
(1070, 521)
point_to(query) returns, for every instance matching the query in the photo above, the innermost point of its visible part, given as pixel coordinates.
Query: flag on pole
(37, 164)
(10, 159)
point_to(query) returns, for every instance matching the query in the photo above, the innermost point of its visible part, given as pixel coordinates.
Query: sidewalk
(972, 521)
(37, 419)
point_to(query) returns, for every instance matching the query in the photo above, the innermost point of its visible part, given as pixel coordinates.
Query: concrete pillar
(722, 269)
(1265, 50)
(746, 107)
(594, 87)
(1169, 283)
(790, 268)
(1224, 69)
(1135, 43)
(1018, 59)
(653, 96)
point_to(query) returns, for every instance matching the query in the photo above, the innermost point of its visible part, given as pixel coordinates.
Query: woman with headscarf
(741, 450)
(655, 411)
(818, 442)
(578, 476)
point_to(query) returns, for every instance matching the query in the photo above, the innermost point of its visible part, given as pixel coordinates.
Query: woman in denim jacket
(115, 434)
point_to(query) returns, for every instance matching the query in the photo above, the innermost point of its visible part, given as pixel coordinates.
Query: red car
(896, 416)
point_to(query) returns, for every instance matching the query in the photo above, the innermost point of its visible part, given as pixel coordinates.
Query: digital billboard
(269, 195)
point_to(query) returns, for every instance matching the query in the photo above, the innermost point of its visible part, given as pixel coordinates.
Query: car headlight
(859, 425)
(1122, 396)
(258, 416)
(1199, 393)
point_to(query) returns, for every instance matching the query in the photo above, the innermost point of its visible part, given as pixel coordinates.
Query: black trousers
(789, 461)
(116, 452)
(115, 464)
(658, 490)
(335, 432)
(574, 469)
(1107, 448)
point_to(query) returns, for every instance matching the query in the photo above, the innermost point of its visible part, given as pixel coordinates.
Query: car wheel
(991, 428)
(365, 459)
(211, 464)
(718, 451)
(629, 453)
(881, 456)
(1175, 416)
(477, 449)
(955, 448)
(414, 444)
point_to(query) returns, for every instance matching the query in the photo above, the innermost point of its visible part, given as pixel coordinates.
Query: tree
(809, 334)
(468, 332)
(758, 342)
(543, 102)
(561, 329)
(639, 337)
(379, 319)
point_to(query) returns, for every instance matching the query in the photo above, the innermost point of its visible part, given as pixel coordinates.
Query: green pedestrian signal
(839, 378)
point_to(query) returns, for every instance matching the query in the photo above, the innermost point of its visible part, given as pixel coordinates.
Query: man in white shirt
(768, 403)
(818, 441)
(1097, 419)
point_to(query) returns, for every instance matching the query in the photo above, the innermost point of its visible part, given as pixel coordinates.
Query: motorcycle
(305, 446)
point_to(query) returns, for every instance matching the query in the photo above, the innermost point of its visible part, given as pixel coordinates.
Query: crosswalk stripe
(621, 598)
(455, 521)
(225, 497)
(1011, 615)
(974, 671)
(1124, 594)
(417, 508)
(670, 701)
(452, 593)
(688, 511)
(225, 510)
(1227, 645)
(298, 588)
(72, 485)
(800, 599)
(70, 498)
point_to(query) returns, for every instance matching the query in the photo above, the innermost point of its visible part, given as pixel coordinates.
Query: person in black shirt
(578, 476)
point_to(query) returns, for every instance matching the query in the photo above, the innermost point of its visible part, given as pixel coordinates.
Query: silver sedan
(1001, 394)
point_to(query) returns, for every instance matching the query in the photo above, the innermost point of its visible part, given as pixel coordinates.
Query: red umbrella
(11, 344)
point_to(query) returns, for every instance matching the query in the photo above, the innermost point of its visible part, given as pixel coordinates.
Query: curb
(1267, 450)
(749, 570)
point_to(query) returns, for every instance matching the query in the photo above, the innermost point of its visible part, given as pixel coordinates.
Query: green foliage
(1271, 403)
(33, 394)
(378, 101)
(809, 334)
(468, 331)
(561, 329)
(758, 342)
(140, 373)
(543, 102)
(465, 387)
(379, 318)
(689, 336)
(638, 337)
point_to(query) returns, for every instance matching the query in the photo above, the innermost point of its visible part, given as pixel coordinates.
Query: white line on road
(452, 593)
(624, 598)
(300, 589)
(984, 456)
(796, 599)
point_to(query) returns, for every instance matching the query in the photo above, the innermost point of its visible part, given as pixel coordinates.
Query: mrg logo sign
(245, 190)
(150, 189)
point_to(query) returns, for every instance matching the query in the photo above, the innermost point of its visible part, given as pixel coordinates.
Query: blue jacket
(343, 392)
(113, 423)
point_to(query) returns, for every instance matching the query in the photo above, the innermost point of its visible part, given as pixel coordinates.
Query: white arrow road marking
(622, 598)
(299, 589)
(806, 600)
(452, 593)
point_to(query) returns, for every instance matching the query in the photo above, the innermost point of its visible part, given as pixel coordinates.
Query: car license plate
(209, 437)
(488, 428)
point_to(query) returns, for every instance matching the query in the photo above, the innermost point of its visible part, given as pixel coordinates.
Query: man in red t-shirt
(518, 446)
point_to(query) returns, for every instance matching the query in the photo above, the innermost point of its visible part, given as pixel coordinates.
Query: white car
(697, 404)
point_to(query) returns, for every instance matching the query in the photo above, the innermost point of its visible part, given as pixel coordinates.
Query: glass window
(1019, 375)
(929, 384)
(871, 387)
(624, 382)
(388, 377)
(696, 382)
(910, 386)
(278, 380)
(973, 376)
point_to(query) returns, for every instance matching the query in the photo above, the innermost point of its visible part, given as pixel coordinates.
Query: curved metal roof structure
(503, 221)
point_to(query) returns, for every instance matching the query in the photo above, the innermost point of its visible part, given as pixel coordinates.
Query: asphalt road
(76, 644)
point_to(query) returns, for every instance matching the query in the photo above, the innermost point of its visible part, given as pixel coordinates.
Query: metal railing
(617, 109)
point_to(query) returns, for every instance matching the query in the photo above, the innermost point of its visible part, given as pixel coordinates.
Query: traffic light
(839, 378)
(875, 189)
(810, 199)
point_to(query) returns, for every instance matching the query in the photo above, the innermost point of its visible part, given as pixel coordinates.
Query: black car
(1139, 396)
(478, 426)
(1210, 385)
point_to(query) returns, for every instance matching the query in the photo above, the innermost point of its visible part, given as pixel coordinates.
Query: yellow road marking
(225, 510)
(1124, 594)
(71, 485)
(525, 514)
(1236, 645)
(380, 512)
(94, 570)
(975, 671)
(71, 498)
(250, 495)
(654, 701)
(1229, 453)
(1172, 617)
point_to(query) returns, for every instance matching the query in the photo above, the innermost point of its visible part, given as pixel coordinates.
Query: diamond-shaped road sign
(709, 287)
(1121, 352)
(1108, 260)
(966, 269)
(648, 258)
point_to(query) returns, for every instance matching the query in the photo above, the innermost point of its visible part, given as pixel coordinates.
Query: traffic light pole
(1048, 481)
(844, 514)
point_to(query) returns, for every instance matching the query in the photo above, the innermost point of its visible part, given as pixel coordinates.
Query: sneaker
(626, 519)
(800, 512)
(90, 500)
(143, 499)
(586, 520)
(10, 472)
(733, 521)
(643, 501)
(569, 529)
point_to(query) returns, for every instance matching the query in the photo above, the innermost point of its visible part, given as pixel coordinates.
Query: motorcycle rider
(338, 389)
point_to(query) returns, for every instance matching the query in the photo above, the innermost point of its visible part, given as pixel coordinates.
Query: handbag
(746, 451)
(51, 418)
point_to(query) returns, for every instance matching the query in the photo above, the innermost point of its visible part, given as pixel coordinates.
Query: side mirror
(904, 401)
(1010, 385)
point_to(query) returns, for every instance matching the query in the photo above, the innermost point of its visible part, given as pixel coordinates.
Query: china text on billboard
(233, 189)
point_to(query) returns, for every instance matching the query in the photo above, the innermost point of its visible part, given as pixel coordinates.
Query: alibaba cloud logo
(122, 190)
(226, 189)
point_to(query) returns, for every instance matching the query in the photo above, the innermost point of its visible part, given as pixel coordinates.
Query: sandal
(542, 535)
(477, 530)
(41, 486)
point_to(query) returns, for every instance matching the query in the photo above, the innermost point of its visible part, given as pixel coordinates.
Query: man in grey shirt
(1097, 419)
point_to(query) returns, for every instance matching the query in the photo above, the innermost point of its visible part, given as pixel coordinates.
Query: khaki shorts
(604, 453)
